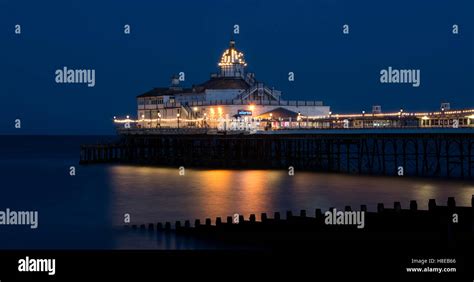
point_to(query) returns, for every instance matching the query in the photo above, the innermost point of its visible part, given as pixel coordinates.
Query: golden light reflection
(424, 191)
(152, 194)
(244, 192)
(254, 190)
(126, 176)
(148, 191)
(216, 181)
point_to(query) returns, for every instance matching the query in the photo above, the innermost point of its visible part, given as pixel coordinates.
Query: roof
(225, 83)
(165, 91)
(213, 83)
(279, 113)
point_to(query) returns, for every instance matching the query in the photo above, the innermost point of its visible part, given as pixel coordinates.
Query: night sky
(277, 37)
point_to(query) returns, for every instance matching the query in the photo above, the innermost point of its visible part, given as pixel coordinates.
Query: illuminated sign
(244, 113)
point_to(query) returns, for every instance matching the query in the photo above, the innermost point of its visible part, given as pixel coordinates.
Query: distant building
(376, 109)
(230, 93)
(445, 106)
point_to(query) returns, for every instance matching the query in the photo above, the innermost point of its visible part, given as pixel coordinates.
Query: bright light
(128, 117)
(471, 116)
(252, 107)
(177, 115)
(115, 117)
(232, 57)
(143, 116)
(195, 109)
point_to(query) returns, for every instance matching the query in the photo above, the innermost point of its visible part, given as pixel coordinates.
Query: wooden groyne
(411, 154)
(438, 223)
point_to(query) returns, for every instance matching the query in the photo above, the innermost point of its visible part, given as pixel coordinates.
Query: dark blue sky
(276, 37)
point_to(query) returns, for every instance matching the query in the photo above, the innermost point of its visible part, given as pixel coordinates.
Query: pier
(437, 154)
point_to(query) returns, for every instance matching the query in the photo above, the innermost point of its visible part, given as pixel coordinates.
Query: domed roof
(232, 56)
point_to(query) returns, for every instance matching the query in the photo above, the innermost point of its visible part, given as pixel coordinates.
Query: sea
(87, 206)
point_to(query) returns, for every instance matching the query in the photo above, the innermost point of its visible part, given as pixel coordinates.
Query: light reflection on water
(84, 211)
(152, 194)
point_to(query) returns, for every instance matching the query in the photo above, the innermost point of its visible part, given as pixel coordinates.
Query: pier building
(232, 92)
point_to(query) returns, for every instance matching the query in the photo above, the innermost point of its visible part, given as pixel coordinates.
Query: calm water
(87, 210)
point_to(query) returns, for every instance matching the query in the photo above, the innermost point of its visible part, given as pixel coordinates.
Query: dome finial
(232, 62)
(232, 56)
